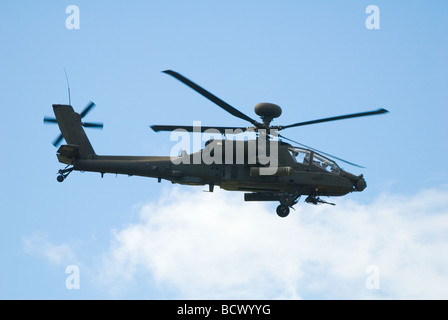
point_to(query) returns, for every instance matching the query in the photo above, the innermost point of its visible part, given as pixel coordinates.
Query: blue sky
(313, 58)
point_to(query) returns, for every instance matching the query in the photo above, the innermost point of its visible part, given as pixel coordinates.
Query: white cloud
(214, 245)
(38, 245)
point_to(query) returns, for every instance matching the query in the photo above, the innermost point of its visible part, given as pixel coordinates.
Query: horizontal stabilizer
(67, 153)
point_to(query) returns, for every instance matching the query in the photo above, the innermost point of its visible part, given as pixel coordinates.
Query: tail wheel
(63, 173)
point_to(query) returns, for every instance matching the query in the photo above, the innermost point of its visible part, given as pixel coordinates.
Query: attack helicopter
(265, 168)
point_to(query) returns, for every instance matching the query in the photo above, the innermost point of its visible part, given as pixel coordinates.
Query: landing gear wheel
(60, 178)
(282, 211)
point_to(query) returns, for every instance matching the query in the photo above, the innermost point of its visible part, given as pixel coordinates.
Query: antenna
(68, 87)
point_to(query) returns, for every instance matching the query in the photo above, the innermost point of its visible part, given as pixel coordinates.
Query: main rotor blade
(321, 152)
(50, 120)
(347, 116)
(58, 140)
(87, 109)
(92, 125)
(223, 130)
(224, 105)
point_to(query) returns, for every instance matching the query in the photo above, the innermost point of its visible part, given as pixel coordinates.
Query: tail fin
(71, 128)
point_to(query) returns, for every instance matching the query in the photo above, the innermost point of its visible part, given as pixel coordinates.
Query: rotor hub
(270, 110)
(267, 112)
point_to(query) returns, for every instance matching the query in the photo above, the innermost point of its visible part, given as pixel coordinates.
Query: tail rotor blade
(58, 140)
(98, 125)
(50, 120)
(87, 109)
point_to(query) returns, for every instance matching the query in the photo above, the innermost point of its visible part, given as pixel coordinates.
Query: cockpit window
(300, 155)
(325, 164)
(303, 156)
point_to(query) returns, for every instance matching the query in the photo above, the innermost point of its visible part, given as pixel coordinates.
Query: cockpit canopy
(307, 157)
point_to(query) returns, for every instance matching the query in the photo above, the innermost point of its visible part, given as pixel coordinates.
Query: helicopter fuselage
(290, 176)
(273, 171)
